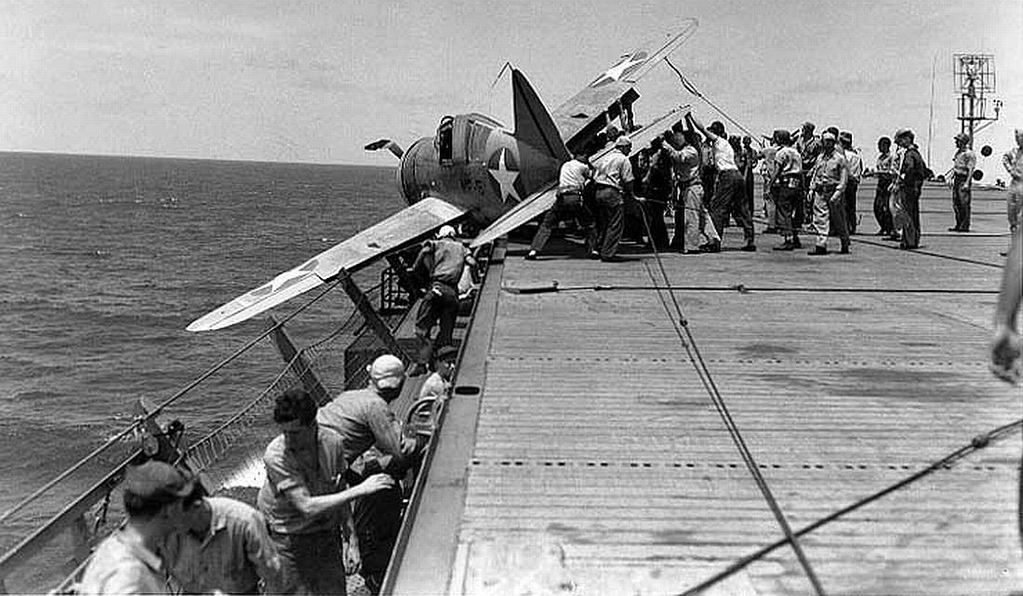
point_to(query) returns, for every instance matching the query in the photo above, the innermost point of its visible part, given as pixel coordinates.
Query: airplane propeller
(386, 144)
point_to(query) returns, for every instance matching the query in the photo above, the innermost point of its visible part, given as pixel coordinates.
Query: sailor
(809, 147)
(130, 561)
(362, 420)
(963, 165)
(575, 174)
(729, 196)
(908, 183)
(882, 195)
(223, 547)
(305, 495)
(613, 179)
(786, 185)
(439, 265)
(1013, 163)
(852, 157)
(657, 190)
(694, 228)
(749, 164)
(438, 384)
(767, 170)
(827, 184)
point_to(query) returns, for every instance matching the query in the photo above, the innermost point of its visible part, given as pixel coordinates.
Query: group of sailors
(706, 178)
(331, 501)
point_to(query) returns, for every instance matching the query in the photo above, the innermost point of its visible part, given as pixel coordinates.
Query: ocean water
(105, 260)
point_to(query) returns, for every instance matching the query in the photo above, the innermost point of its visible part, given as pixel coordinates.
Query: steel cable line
(978, 442)
(681, 327)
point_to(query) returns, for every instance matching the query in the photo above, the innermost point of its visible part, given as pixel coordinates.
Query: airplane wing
(641, 138)
(527, 209)
(614, 86)
(543, 199)
(371, 243)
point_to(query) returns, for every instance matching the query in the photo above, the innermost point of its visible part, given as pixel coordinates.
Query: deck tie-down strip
(563, 463)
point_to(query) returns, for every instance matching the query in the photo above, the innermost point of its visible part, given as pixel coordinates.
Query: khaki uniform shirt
(121, 567)
(232, 557)
(284, 472)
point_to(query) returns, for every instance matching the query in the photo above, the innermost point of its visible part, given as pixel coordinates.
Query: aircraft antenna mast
(974, 77)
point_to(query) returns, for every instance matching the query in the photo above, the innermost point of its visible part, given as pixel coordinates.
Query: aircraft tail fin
(533, 124)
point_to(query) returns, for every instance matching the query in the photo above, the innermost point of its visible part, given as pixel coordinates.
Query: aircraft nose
(414, 170)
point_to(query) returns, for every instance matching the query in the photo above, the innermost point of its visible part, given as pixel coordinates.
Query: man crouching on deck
(304, 496)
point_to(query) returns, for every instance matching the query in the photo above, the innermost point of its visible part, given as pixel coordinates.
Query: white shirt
(613, 169)
(855, 164)
(574, 175)
(723, 155)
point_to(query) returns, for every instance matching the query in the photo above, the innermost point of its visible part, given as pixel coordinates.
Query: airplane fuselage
(475, 164)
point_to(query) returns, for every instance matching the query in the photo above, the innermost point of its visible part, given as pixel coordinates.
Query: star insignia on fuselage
(504, 177)
(617, 72)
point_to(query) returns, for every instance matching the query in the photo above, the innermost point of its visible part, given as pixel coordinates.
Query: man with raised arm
(729, 199)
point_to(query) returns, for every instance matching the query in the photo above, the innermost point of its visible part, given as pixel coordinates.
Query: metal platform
(581, 445)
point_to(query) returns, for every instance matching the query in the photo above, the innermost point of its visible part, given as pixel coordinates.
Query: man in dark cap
(786, 185)
(130, 560)
(223, 547)
(912, 173)
(963, 165)
(855, 163)
(885, 169)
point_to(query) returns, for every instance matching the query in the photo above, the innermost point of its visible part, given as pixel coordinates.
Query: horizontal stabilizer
(397, 230)
(530, 207)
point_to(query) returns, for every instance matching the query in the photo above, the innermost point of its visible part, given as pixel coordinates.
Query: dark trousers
(786, 202)
(610, 219)
(962, 195)
(851, 188)
(567, 206)
(729, 200)
(911, 223)
(839, 225)
(882, 211)
(310, 564)
(377, 522)
(653, 209)
(440, 302)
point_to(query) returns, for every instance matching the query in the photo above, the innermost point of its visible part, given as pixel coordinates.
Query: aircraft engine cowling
(416, 168)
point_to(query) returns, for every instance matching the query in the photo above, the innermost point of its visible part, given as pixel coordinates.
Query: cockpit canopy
(461, 138)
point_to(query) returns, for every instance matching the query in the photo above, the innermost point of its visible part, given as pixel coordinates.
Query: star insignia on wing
(505, 178)
(618, 71)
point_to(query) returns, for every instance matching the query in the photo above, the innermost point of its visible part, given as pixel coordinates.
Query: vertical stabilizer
(533, 124)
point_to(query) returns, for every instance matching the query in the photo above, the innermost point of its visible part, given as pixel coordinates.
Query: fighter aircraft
(474, 169)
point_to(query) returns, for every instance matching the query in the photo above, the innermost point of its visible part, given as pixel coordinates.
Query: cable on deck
(681, 327)
(977, 443)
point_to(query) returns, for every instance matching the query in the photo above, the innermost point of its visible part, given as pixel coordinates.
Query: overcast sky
(313, 81)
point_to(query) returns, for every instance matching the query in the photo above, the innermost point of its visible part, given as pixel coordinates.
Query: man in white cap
(364, 421)
(613, 178)
(827, 187)
(963, 165)
(438, 267)
(129, 561)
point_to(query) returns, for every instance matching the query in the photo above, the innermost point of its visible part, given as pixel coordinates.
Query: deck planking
(844, 374)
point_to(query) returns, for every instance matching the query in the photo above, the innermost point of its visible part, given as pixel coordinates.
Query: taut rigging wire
(681, 327)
